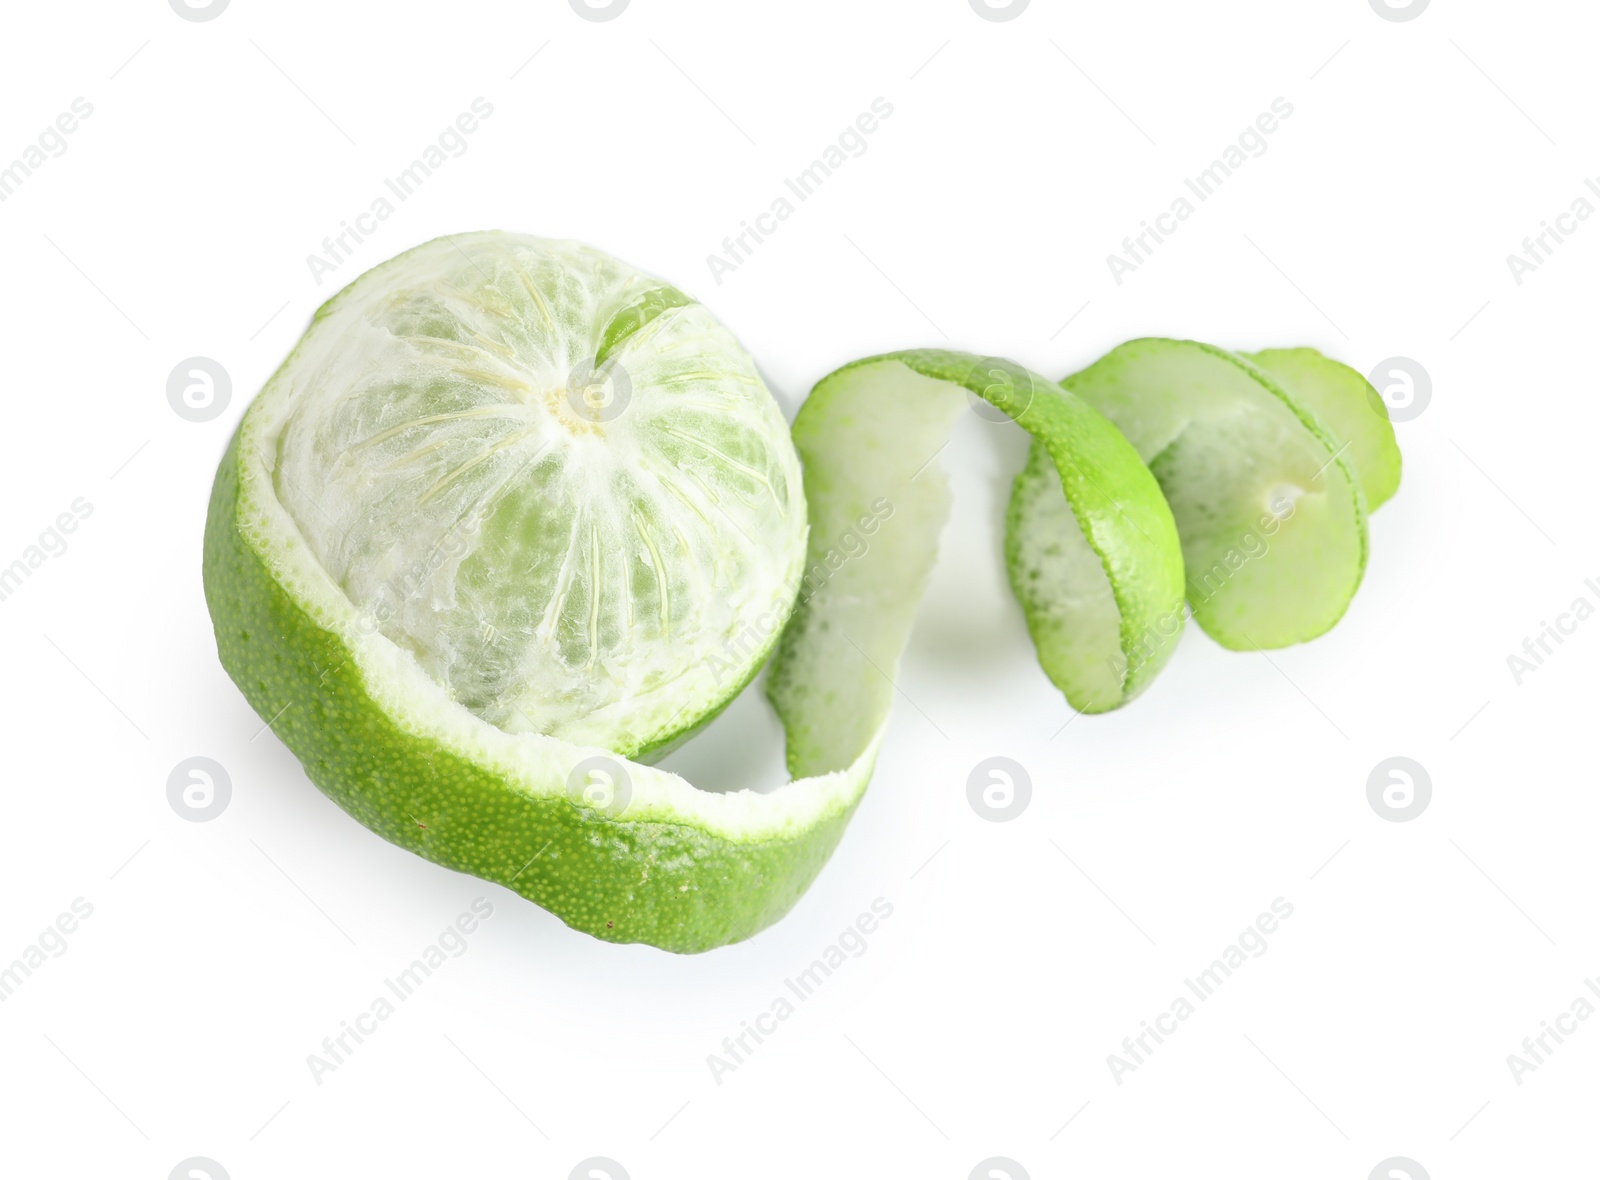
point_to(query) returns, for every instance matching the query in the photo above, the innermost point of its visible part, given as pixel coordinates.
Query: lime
(515, 518)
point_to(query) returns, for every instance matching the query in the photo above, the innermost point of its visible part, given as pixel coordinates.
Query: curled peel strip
(1255, 474)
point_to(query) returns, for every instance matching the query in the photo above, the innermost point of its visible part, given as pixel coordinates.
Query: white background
(978, 1022)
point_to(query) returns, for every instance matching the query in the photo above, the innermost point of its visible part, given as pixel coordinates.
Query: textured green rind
(674, 886)
(1119, 507)
(1117, 503)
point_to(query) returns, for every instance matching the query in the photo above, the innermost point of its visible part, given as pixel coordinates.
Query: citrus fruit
(514, 518)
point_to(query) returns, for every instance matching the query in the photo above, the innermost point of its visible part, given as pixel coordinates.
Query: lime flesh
(566, 546)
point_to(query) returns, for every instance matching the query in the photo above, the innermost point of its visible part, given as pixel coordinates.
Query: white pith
(1073, 612)
(870, 435)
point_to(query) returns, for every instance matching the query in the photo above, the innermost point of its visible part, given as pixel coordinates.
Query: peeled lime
(549, 497)
(513, 517)
(510, 505)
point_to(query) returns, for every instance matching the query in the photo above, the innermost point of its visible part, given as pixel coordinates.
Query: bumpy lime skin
(1121, 509)
(673, 886)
